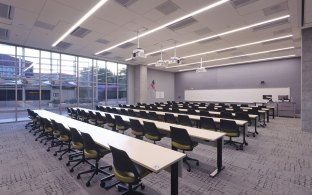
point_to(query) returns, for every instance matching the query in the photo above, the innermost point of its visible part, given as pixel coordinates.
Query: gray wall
(278, 73)
(164, 81)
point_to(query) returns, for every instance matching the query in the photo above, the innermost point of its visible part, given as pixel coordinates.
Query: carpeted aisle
(277, 161)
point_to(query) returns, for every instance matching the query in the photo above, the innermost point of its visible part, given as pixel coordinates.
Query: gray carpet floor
(277, 161)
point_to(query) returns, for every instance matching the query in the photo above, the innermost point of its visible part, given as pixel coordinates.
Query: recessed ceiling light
(167, 24)
(219, 59)
(221, 34)
(80, 21)
(243, 62)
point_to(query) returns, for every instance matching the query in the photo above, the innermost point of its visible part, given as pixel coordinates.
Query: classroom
(155, 97)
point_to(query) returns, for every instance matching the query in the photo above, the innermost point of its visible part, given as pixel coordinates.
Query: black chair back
(124, 111)
(192, 112)
(227, 115)
(75, 135)
(242, 116)
(228, 126)
(119, 121)
(204, 113)
(88, 142)
(131, 112)
(109, 118)
(136, 125)
(153, 116)
(170, 118)
(185, 120)
(207, 123)
(180, 136)
(151, 129)
(143, 114)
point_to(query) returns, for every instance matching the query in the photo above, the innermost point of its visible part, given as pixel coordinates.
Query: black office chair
(151, 132)
(207, 123)
(109, 109)
(95, 152)
(56, 134)
(131, 112)
(97, 107)
(137, 128)
(48, 131)
(100, 120)
(127, 172)
(204, 113)
(181, 140)
(121, 125)
(110, 121)
(170, 118)
(192, 112)
(124, 112)
(69, 113)
(244, 116)
(175, 110)
(184, 120)
(227, 115)
(231, 130)
(77, 144)
(65, 139)
(143, 114)
(74, 113)
(92, 118)
(115, 111)
(153, 116)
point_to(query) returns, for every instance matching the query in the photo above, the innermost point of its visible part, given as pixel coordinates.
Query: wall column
(306, 80)
(143, 84)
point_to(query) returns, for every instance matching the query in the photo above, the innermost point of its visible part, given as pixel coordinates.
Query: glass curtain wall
(36, 79)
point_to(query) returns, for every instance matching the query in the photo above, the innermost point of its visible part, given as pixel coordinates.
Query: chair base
(186, 159)
(238, 145)
(130, 190)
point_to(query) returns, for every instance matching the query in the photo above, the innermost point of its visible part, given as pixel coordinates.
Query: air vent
(4, 34)
(125, 3)
(103, 41)
(271, 24)
(182, 24)
(282, 31)
(44, 25)
(227, 50)
(241, 3)
(202, 31)
(275, 8)
(6, 11)
(104, 54)
(276, 41)
(126, 45)
(167, 7)
(209, 40)
(63, 45)
(80, 32)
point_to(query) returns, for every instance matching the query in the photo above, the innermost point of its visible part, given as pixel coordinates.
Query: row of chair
(228, 126)
(79, 144)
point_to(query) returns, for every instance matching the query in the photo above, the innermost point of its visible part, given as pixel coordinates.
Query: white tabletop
(150, 156)
(192, 131)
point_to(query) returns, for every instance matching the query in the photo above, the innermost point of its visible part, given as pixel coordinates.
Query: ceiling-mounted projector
(174, 60)
(160, 63)
(138, 53)
(201, 69)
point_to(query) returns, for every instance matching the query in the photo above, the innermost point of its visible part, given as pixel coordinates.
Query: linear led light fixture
(224, 33)
(237, 46)
(227, 58)
(165, 25)
(80, 21)
(243, 62)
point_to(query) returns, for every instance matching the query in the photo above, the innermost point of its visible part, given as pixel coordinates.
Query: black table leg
(256, 126)
(244, 136)
(220, 167)
(268, 116)
(174, 179)
(273, 113)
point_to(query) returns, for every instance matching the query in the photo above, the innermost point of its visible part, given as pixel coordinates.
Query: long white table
(199, 135)
(196, 118)
(153, 157)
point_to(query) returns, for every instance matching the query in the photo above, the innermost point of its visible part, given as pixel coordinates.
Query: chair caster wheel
(247, 135)
(68, 163)
(110, 168)
(48, 150)
(36, 139)
(78, 176)
(71, 170)
(45, 144)
(142, 187)
(119, 188)
(40, 141)
(88, 184)
(189, 169)
(60, 158)
(254, 135)
(197, 163)
(54, 154)
(102, 184)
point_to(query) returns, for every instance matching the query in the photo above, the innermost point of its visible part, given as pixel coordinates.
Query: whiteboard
(235, 95)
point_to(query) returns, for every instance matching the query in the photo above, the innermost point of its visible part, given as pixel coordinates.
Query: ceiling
(39, 23)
